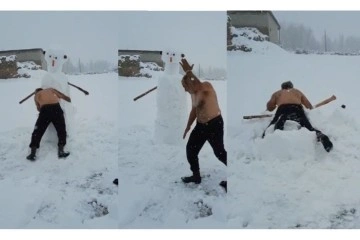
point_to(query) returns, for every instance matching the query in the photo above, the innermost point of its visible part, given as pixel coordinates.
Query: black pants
(294, 112)
(213, 132)
(51, 113)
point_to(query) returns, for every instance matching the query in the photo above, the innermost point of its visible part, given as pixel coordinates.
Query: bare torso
(288, 96)
(205, 102)
(46, 96)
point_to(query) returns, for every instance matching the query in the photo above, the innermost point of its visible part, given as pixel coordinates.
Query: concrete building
(264, 21)
(23, 55)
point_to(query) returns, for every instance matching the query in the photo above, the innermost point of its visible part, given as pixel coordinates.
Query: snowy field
(287, 180)
(150, 189)
(55, 193)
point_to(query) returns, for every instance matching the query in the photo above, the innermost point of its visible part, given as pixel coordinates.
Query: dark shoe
(325, 141)
(194, 178)
(32, 155)
(116, 181)
(224, 185)
(62, 153)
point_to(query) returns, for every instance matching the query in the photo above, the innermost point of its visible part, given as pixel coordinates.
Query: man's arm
(188, 69)
(37, 104)
(305, 101)
(190, 75)
(61, 95)
(271, 104)
(192, 117)
(185, 65)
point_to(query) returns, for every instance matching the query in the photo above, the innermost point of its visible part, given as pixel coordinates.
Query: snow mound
(10, 58)
(286, 145)
(252, 40)
(28, 65)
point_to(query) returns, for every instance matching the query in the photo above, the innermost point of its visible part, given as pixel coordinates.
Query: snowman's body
(172, 111)
(55, 78)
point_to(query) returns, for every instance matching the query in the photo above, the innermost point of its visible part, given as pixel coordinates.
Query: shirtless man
(47, 103)
(290, 101)
(209, 126)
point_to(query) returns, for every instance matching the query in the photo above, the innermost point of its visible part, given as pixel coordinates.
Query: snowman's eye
(173, 54)
(167, 53)
(49, 56)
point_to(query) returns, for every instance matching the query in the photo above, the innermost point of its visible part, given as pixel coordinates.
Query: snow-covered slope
(287, 180)
(53, 193)
(251, 40)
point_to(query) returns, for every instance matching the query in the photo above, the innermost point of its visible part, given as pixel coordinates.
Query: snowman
(55, 78)
(171, 102)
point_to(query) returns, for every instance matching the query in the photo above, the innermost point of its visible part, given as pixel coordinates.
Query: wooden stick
(26, 98)
(257, 116)
(143, 94)
(79, 88)
(326, 101)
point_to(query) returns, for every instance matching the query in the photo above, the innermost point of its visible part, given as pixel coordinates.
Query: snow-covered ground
(51, 193)
(287, 180)
(151, 194)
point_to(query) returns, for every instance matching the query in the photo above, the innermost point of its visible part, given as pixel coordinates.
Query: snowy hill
(150, 189)
(53, 193)
(253, 41)
(287, 180)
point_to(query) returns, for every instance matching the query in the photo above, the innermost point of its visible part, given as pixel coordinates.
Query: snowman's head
(55, 59)
(171, 60)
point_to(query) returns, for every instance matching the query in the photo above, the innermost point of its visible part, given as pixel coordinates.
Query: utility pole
(325, 42)
(79, 65)
(199, 71)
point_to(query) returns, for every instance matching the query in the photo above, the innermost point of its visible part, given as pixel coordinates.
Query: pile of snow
(148, 68)
(28, 65)
(124, 58)
(252, 40)
(130, 65)
(10, 58)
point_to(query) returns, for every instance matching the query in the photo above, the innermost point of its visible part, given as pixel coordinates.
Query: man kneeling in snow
(47, 103)
(289, 101)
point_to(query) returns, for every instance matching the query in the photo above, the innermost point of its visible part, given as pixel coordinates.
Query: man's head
(287, 85)
(190, 82)
(38, 90)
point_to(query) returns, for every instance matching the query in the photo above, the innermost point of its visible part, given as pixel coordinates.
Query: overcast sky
(200, 35)
(334, 22)
(98, 35)
(84, 35)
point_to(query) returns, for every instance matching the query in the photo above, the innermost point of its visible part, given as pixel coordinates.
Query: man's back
(288, 96)
(46, 96)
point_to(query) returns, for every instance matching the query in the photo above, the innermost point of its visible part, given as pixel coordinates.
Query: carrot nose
(170, 59)
(53, 62)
